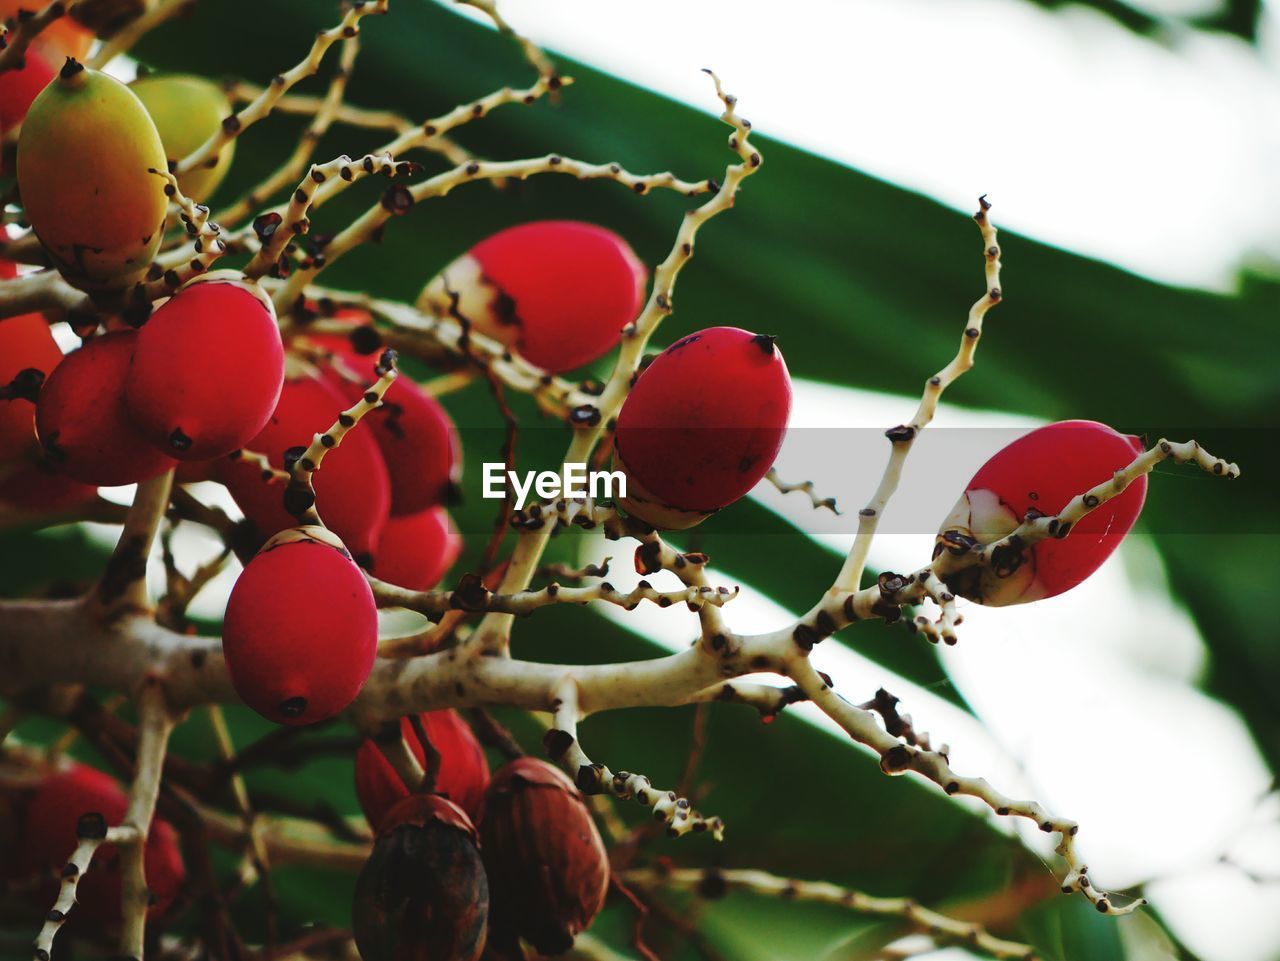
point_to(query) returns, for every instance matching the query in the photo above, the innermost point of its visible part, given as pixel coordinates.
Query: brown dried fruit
(547, 864)
(422, 895)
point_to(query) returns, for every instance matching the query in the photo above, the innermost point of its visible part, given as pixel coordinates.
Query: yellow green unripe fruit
(188, 111)
(85, 160)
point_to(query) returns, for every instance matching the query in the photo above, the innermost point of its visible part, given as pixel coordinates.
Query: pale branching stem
(769, 699)
(561, 743)
(124, 582)
(427, 134)
(903, 436)
(351, 116)
(300, 495)
(390, 741)
(324, 112)
(532, 52)
(262, 106)
(263, 463)
(591, 420)
(96, 509)
(289, 841)
(14, 43)
(93, 833)
(244, 806)
(654, 555)
(713, 883)
(375, 218)
(275, 231)
(944, 628)
(416, 333)
(898, 758)
(42, 290)
(805, 487)
(123, 41)
(155, 724)
(471, 596)
(206, 246)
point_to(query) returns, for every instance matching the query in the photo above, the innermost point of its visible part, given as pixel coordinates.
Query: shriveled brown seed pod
(548, 869)
(422, 895)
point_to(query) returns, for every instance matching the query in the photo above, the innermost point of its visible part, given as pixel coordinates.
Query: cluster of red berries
(436, 887)
(49, 815)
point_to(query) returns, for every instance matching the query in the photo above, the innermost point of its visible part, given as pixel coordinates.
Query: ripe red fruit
(548, 869)
(416, 551)
(26, 482)
(422, 895)
(702, 425)
(301, 628)
(19, 87)
(207, 369)
(352, 491)
(557, 291)
(463, 775)
(415, 434)
(1043, 471)
(49, 837)
(82, 421)
(25, 344)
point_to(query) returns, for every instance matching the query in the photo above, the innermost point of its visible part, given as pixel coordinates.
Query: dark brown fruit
(423, 894)
(547, 864)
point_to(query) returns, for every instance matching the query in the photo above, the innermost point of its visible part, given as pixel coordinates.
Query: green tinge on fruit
(84, 159)
(188, 111)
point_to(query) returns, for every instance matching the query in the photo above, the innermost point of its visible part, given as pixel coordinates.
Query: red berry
(416, 551)
(301, 628)
(423, 894)
(1042, 471)
(463, 775)
(353, 494)
(25, 344)
(19, 87)
(207, 370)
(548, 869)
(417, 438)
(82, 421)
(702, 425)
(558, 291)
(26, 481)
(53, 813)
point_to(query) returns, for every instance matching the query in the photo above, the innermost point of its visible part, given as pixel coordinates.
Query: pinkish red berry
(207, 369)
(416, 551)
(21, 86)
(53, 815)
(1043, 471)
(423, 894)
(353, 494)
(463, 775)
(301, 628)
(557, 291)
(416, 436)
(548, 868)
(29, 352)
(82, 421)
(702, 425)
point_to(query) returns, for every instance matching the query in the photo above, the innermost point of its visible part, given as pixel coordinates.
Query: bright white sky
(1158, 157)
